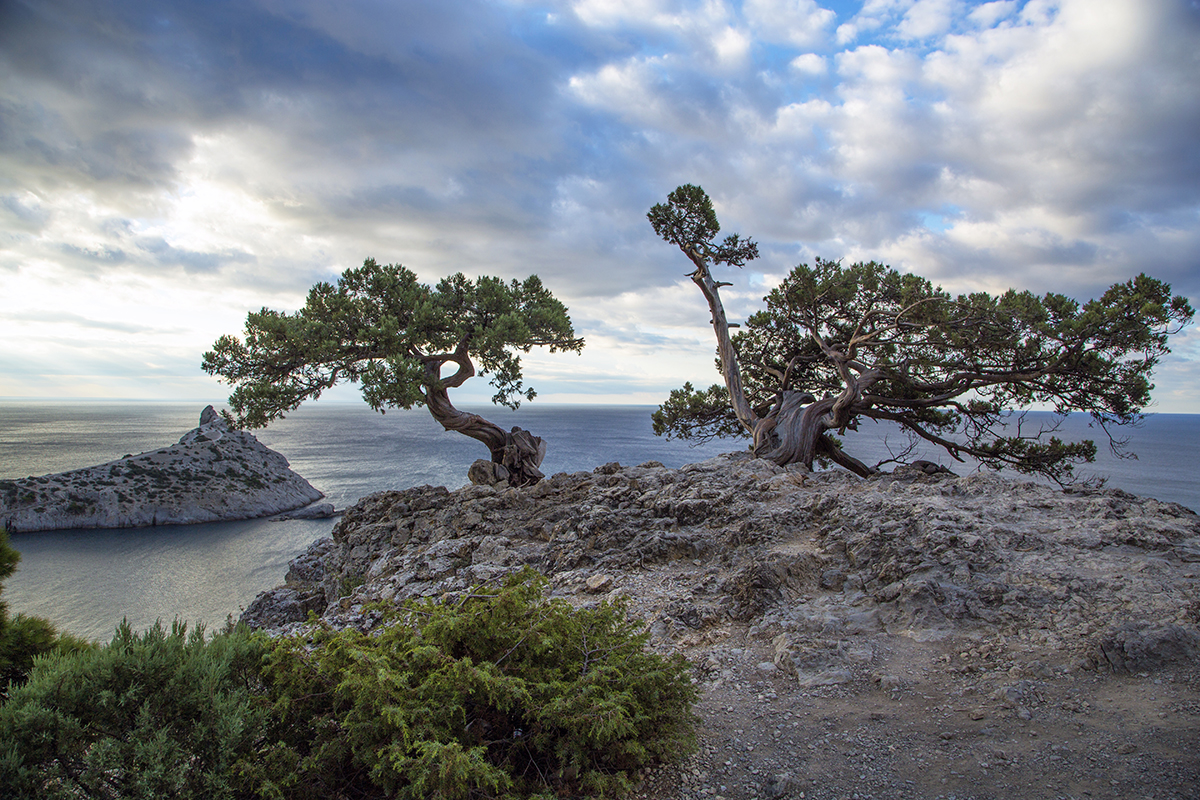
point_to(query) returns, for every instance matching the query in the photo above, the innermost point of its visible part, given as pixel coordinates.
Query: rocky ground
(906, 636)
(212, 474)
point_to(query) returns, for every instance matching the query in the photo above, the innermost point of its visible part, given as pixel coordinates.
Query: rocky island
(909, 635)
(212, 474)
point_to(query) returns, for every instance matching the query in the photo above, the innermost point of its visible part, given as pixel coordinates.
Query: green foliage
(949, 368)
(886, 345)
(381, 328)
(501, 693)
(699, 415)
(688, 221)
(9, 558)
(149, 716)
(23, 638)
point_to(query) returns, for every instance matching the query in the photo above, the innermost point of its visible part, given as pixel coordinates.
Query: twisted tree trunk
(793, 431)
(517, 452)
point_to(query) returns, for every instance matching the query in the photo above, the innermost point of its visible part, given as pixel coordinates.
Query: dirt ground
(930, 720)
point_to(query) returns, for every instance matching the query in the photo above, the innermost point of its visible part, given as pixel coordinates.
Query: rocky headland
(909, 635)
(212, 474)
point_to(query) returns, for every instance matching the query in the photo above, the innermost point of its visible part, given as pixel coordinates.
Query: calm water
(87, 581)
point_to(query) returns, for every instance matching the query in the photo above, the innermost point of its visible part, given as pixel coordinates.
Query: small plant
(23, 638)
(348, 583)
(499, 694)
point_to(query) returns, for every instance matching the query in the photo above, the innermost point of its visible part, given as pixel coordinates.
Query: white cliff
(213, 474)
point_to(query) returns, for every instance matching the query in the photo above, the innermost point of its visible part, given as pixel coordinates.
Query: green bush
(499, 694)
(149, 716)
(24, 638)
(502, 693)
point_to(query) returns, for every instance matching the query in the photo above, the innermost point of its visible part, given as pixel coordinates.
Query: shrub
(24, 638)
(501, 693)
(149, 716)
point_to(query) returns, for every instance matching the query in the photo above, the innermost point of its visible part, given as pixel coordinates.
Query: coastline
(89, 580)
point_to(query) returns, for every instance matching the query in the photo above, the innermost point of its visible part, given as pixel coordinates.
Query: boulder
(487, 473)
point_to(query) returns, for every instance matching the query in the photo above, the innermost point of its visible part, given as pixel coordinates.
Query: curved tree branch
(518, 451)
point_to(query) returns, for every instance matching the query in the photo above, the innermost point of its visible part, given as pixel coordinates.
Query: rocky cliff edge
(213, 474)
(808, 561)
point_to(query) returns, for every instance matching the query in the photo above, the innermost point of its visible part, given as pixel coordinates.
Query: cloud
(191, 260)
(988, 14)
(55, 317)
(208, 159)
(927, 18)
(810, 64)
(873, 15)
(801, 23)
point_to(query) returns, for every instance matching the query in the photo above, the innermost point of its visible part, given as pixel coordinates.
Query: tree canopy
(876, 343)
(383, 329)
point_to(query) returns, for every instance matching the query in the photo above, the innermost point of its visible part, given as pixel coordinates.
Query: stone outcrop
(819, 567)
(213, 474)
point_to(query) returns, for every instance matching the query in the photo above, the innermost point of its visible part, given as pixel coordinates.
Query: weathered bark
(729, 363)
(793, 432)
(518, 450)
(783, 435)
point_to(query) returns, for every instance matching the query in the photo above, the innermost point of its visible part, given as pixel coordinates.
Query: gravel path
(927, 720)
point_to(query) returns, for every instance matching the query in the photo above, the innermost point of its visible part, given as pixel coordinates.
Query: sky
(167, 167)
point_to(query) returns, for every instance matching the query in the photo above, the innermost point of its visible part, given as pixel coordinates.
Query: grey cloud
(78, 320)
(487, 137)
(23, 215)
(151, 75)
(191, 260)
(94, 255)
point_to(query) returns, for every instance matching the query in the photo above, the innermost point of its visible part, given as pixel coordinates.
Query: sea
(88, 581)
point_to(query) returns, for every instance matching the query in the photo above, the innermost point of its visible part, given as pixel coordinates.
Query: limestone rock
(818, 566)
(784, 784)
(599, 583)
(314, 511)
(213, 474)
(487, 473)
(1144, 646)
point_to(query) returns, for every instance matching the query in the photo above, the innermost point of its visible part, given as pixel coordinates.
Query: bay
(87, 581)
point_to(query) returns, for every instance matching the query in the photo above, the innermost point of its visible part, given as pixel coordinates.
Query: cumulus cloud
(927, 18)
(810, 64)
(989, 14)
(225, 156)
(802, 23)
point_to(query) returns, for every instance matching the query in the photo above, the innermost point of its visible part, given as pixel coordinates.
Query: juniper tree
(381, 328)
(875, 343)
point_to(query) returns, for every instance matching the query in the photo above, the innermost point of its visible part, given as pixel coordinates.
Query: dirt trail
(927, 720)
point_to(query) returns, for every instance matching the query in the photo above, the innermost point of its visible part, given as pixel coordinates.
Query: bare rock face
(213, 474)
(822, 568)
